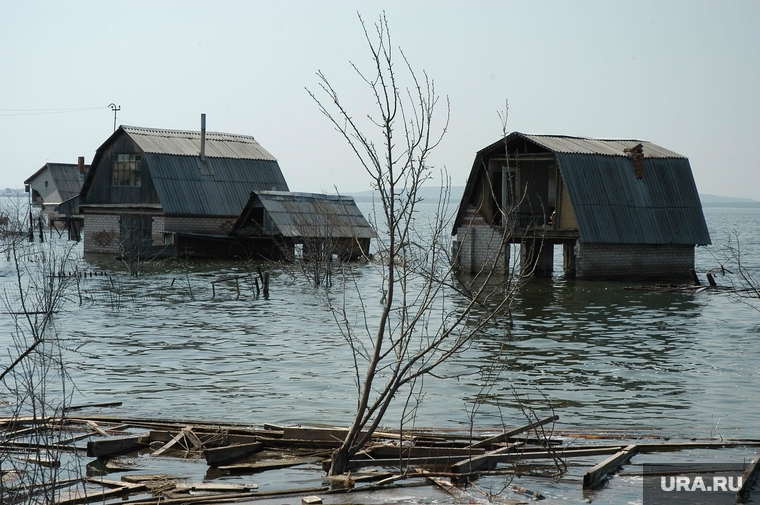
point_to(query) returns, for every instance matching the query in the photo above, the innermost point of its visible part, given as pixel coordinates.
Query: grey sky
(682, 74)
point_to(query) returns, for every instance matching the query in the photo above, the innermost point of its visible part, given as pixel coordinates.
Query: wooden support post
(711, 279)
(266, 283)
(748, 479)
(596, 475)
(694, 277)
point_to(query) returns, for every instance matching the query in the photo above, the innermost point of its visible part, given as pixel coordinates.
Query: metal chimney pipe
(203, 136)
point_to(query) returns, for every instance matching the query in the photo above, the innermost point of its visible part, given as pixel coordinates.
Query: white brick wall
(479, 245)
(101, 233)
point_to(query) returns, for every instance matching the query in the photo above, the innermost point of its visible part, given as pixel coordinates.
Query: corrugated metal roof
(184, 189)
(612, 206)
(188, 143)
(607, 147)
(302, 215)
(67, 179)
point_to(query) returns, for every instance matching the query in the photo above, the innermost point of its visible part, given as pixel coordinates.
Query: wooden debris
(185, 433)
(597, 474)
(334, 435)
(118, 489)
(263, 466)
(214, 486)
(97, 428)
(468, 465)
(46, 462)
(509, 434)
(473, 463)
(92, 406)
(461, 496)
(388, 451)
(148, 477)
(114, 445)
(228, 454)
(748, 479)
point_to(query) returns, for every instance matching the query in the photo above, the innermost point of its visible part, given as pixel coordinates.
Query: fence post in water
(266, 283)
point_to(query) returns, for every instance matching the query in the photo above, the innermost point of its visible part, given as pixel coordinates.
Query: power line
(38, 112)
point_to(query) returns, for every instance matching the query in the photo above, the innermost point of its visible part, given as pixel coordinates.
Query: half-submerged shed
(54, 184)
(153, 191)
(619, 208)
(321, 224)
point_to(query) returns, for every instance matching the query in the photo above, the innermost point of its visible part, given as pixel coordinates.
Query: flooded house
(618, 208)
(318, 224)
(54, 184)
(163, 192)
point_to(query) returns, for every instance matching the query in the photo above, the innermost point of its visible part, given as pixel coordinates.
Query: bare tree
(745, 284)
(33, 374)
(426, 317)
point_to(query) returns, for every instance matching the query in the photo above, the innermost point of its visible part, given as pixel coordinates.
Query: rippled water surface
(601, 354)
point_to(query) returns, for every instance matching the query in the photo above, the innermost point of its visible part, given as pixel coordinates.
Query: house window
(126, 170)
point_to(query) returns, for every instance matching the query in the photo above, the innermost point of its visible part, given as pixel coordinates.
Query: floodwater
(179, 342)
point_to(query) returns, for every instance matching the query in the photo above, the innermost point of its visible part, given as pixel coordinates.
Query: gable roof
(610, 204)
(235, 165)
(304, 215)
(65, 178)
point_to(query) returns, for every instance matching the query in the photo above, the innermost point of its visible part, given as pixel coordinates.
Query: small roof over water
(305, 215)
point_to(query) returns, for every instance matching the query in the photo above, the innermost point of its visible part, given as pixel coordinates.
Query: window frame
(126, 171)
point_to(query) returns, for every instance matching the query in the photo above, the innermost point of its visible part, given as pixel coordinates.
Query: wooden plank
(467, 465)
(387, 451)
(168, 445)
(597, 474)
(113, 446)
(92, 405)
(336, 435)
(214, 486)
(509, 434)
(189, 435)
(748, 479)
(263, 466)
(230, 453)
(474, 463)
(79, 496)
(94, 426)
(208, 439)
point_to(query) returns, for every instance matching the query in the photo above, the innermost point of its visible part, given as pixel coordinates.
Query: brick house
(152, 192)
(619, 208)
